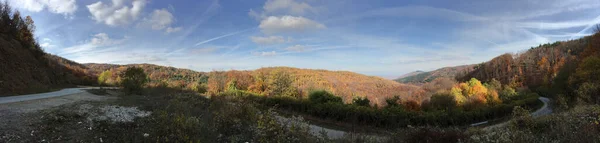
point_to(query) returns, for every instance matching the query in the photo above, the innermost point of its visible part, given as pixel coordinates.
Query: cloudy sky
(380, 37)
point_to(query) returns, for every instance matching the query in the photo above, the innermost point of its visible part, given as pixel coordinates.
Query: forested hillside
(346, 84)
(262, 81)
(446, 72)
(157, 75)
(24, 66)
(567, 70)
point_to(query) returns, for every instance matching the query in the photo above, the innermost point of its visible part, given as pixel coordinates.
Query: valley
(278, 83)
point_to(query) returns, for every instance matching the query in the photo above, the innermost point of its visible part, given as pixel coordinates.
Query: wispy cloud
(210, 40)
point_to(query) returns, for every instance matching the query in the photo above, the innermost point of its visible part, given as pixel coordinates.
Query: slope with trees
(419, 78)
(24, 66)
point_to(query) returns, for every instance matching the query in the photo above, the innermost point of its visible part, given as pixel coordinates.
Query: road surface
(63, 92)
(545, 110)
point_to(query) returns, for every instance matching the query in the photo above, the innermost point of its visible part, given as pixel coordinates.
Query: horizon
(378, 38)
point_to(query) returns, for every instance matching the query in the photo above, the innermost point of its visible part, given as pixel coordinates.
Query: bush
(442, 101)
(199, 87)
(521, 118)
(361, 101)
(133, 80)
(322, 96)
(588, 93)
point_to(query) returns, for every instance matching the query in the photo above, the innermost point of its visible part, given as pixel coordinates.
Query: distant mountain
(411, 74)
(420, 77)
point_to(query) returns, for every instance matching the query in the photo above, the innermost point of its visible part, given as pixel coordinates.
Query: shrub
(442, 101)
(322, 96)
(392, 102)
(199, 87)
(133, 80)
(588, 93)
(521, 118)
(361, 101)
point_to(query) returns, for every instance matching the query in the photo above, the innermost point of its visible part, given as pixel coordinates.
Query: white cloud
(173, 30)
(557, 25)
(285, 24)
(265, 54)
(285, 7)
(66, 7)
(296, 48)
(102, 39)
(117, 13)
(160, 19)
(269, 40)
(290, 6)
(97, 41)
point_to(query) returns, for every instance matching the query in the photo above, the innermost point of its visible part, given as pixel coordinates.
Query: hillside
(535, 67)
(411, 74)
(424, 77)
(348, 84)
(157, 75)
(341, 83)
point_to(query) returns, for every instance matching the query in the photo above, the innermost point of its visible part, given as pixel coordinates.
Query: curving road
(544, 110)
(63, 92)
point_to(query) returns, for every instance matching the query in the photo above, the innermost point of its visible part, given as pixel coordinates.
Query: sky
(384, 38)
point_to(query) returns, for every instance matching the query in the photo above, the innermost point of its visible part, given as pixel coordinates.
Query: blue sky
(384, 38)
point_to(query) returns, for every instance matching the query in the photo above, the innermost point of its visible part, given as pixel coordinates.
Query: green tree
(133, 80)
(104, 77)
(588, 71)
(494, 84)
(507, 93)
(280, 84)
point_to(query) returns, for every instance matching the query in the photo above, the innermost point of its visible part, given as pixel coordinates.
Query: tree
(280, 84)
(494, 84)
(133, 80)
(588, 71)
(507, 93)
(104, 77)
(216, 82)
(322, 96)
